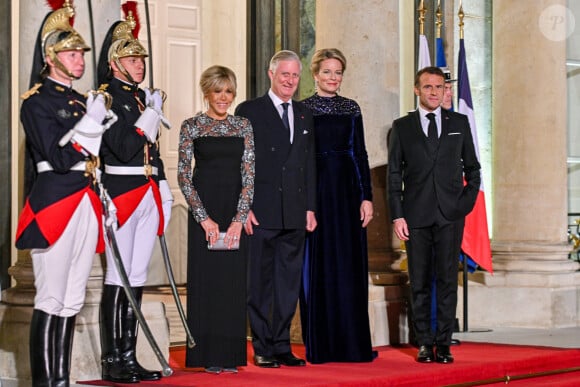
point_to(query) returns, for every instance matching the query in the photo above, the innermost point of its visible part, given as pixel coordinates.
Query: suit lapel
(445, 128)
(444, 124)
(299, 128)
(274, 119)
(418, 128)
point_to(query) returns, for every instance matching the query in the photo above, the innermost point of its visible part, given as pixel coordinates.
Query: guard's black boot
(129, 339)
(63, 339)
(113, 367)
(41, 348)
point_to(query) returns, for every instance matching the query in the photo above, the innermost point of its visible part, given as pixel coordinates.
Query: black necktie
(432, 130)
(285, 115)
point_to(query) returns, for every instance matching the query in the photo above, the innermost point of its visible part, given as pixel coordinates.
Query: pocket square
(454, 133)
(305, 132)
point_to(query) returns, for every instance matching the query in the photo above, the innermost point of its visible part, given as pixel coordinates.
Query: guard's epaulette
(33, 90)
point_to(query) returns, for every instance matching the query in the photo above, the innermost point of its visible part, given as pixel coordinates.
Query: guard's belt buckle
(148, 170)
(91, 167)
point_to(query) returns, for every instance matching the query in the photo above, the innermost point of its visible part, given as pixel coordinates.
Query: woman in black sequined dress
(219, 192)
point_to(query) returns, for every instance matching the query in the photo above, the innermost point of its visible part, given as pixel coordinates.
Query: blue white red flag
(475, 242)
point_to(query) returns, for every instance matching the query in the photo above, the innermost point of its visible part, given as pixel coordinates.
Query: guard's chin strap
(124, 72)
(58, 64)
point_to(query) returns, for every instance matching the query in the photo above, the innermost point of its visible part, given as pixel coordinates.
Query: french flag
(424, 56)
(475, 242)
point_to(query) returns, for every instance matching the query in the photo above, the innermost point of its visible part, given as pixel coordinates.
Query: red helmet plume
(132, 7)
(57, 4)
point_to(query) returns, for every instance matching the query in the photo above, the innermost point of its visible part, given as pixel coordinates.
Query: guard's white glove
(89, 130)
(148, 122)
(166, 202)
(154, 100)
(96, 108)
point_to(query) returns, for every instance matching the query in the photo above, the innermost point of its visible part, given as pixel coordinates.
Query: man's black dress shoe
(288, 359)
(425, 354)
(444, 354)
(266, 361)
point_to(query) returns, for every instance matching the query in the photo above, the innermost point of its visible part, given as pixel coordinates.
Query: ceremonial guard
(134, 178)
(61, 221)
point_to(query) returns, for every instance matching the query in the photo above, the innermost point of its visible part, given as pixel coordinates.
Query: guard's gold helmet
(58, 35)
(124, 44)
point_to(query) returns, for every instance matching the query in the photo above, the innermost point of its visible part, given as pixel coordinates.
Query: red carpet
(475, 364)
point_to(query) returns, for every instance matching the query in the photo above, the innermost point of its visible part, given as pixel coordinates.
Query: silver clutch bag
(221, 244)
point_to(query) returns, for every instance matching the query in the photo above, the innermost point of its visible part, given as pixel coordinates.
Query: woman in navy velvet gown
(334, 299)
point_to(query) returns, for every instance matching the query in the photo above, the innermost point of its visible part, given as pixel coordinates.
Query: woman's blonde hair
(323, 54)
(216, 77)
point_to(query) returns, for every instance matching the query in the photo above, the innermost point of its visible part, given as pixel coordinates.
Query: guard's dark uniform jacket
(125, 145)
(47, 114)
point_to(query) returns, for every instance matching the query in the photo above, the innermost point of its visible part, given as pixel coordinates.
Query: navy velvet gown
(334, 297)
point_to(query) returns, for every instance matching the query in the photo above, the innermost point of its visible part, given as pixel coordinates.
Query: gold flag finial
(421, 12)
(439, 21)
(461, 16)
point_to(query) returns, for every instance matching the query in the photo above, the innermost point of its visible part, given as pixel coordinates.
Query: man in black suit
(283, 208)
(431, 154)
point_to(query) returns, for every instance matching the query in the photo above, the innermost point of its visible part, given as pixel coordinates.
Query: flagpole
(438, 22)
(465, 277)
(461, 15)
(424, 58)
(421, 12)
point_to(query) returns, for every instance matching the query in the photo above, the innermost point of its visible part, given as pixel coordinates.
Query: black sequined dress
(220, 186)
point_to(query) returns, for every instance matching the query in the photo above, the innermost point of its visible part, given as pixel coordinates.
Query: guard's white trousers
(135, 240)
(62, 270)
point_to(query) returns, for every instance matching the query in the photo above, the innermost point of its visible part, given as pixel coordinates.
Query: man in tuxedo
(433, 181)
(282, 211)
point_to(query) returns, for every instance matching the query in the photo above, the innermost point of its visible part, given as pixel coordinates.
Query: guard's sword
(94, 56)
(166, 370)
(165, 252)
(162, 242)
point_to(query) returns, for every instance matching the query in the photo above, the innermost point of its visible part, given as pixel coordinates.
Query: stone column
(534, 284)
(261, 43)
(367, 32)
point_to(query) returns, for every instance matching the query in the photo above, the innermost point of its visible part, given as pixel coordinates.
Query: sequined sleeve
(189, 132)
(248, 171)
